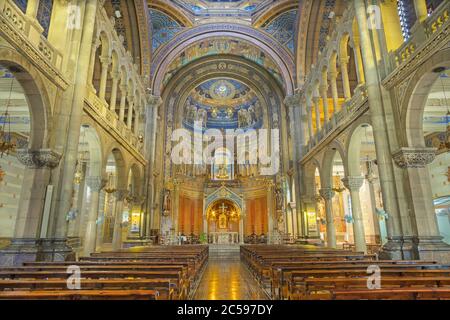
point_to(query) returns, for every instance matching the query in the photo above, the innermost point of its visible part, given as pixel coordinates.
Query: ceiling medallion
(222, 90)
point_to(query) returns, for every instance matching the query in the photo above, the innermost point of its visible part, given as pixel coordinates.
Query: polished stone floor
(226, 278)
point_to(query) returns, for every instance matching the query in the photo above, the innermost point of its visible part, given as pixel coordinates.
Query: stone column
(334, 91)
(316, 103)
(359, 62)
(421, 10)
(414, 161)
(376, 224)
(123, 101)
(117, 234)
(36, 179)
(327, 194)
(106, 61)
(241, 230)
(345, 78)
(130, 111)
(32, 8)
(58, 223)
(90, 77)
(310, 123)
(324, 94)
(354, 184)
(96, 184)
(380, 131)
(136, 119)
(115, 84)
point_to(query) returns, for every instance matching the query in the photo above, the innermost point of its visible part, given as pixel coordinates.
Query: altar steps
(224, 252)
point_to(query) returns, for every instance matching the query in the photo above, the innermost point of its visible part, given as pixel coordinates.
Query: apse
(223, 103)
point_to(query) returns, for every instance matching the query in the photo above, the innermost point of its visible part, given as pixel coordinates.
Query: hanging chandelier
(6, 144)
(111, 186)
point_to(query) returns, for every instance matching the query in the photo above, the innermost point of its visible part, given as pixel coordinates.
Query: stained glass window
(44, 14)
(22, 4)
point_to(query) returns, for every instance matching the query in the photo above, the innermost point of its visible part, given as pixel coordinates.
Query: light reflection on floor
(228, 279)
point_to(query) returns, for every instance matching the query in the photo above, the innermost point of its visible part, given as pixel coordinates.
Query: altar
(223, 237)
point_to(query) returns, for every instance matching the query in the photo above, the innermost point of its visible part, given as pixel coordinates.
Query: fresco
(215, 46)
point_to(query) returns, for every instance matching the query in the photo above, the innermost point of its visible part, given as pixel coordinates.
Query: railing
(26, 36)
(349, 110)
(421, 36)
(100, 111)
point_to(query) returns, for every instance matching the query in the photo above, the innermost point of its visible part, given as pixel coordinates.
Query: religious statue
(166, 202)
(279, 199)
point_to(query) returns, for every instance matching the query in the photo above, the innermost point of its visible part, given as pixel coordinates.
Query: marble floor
(226, 278)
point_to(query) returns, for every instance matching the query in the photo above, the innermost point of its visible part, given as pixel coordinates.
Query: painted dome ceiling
(223, 104)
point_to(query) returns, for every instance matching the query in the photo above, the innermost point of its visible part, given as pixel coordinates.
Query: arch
(182, 41)
(95, 150)
(327, 163)
(412, 109)
(172, 11)
(136, 173)
(121, 172)
(353, 145)
(36, 95)
(273, 11)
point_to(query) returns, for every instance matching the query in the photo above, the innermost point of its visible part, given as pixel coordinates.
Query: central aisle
(226, 278)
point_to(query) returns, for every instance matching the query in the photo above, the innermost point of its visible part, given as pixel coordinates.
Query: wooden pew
(80, 295)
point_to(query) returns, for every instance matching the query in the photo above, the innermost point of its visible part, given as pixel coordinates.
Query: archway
(224, 225)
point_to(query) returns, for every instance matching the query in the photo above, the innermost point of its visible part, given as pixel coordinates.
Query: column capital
(96, 183)
(106, 60)
(293, 101)
(333, 75)
(353, 183)
(326, 193)
(115, 75)
(37, 159)
(414, 157)
(154, 101)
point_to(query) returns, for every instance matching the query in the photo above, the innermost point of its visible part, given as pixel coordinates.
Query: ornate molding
(293, 101)
(326, 193)
(154, 101)
(36, 159)
(414, 157)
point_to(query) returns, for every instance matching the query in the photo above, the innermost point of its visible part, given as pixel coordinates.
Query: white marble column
(327, 194)
(373, 203)
(354, 184)
(95, 184)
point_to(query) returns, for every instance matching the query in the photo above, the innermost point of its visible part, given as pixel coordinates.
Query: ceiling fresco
(223, 104)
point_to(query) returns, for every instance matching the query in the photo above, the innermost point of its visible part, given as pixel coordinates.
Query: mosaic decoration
(215, 46)
(163, 27)
(44, 15)
(5, 73)
(282, 29)
(22, 4)
(223, 104)
(326, 23)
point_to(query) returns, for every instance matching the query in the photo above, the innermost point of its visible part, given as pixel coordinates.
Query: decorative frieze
(37, 159)
(414, 157)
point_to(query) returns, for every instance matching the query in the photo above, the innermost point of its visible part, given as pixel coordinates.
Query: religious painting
(223, 45)
(223, 221)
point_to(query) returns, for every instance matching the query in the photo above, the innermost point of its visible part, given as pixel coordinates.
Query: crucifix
(223, 207)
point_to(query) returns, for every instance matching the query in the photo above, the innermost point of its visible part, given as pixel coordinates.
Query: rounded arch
(413, 109)
(172, 11)
(354, 144)
(135, 175)
(273, 11)
(90, 137)
(310, 176)
(327, 163)
(179, 43)
(119, 159)
(36, 95)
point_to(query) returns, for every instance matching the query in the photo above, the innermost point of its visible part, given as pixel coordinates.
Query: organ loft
(161, 146)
